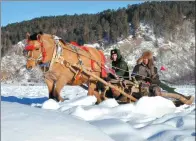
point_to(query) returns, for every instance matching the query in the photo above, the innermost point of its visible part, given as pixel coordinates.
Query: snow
(24, 123)
(109, 103)
(154, 106)
(27, 114)
(95, 45)
(50, 104)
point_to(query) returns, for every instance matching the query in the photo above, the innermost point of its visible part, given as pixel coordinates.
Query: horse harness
(57, 57)
(40, 55)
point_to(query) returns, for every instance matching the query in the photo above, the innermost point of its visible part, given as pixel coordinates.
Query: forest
(107, 26)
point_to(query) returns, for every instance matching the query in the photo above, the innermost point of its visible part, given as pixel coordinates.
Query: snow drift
(78, 118)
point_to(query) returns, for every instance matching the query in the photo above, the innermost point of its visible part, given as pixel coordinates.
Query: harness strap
(53, 58)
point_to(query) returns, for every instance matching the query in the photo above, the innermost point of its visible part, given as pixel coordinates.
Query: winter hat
(115, 51)
(146, 54)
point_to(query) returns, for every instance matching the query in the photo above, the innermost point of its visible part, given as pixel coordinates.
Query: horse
(43, 48)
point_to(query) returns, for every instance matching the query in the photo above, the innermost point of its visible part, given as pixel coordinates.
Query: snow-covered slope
(15, 67)
(177, 56)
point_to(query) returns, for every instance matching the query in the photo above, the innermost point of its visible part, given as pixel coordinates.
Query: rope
(53, 57)
(89, 57)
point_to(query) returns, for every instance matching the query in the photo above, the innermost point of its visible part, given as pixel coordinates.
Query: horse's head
(35, 49)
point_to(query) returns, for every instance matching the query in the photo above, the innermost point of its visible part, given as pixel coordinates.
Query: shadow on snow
(26, 101)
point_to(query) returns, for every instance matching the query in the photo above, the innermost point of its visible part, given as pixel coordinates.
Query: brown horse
(42, 48)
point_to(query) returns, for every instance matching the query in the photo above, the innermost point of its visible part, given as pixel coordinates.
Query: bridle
(31, 48)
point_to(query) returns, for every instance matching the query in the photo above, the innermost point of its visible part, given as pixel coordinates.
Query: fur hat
(146, 54)
(114, 51)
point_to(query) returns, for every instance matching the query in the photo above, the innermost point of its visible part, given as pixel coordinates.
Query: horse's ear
(39, 37)
(27, 36)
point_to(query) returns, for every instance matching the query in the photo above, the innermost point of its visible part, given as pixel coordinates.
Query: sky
(17, 11)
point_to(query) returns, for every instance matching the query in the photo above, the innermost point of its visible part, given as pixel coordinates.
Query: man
(146, 73)
(119, 70)
(118, 65)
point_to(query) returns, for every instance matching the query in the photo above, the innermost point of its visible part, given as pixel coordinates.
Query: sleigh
(123, 89)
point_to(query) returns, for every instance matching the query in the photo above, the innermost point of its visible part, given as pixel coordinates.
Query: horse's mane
(34, 35)
(64, 42)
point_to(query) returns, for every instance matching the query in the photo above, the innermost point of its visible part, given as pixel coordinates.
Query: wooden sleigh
(126, 88)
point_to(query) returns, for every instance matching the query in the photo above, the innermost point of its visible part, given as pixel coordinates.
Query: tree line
(107, 26)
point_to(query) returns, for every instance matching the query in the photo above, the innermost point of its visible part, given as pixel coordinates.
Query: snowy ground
(27, 114)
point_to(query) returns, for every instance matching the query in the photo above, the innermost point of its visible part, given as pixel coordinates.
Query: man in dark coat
(119, 65)
(120, 70)
(146, 73)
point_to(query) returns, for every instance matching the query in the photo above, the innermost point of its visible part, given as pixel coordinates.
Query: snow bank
(154, 106)
(151, 118)
(22, 123)
(50, 104)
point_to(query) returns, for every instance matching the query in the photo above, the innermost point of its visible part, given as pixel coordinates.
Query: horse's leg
(50, 85)
(92, 91)
(59, 85)
(55, 85)
(103, 94)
